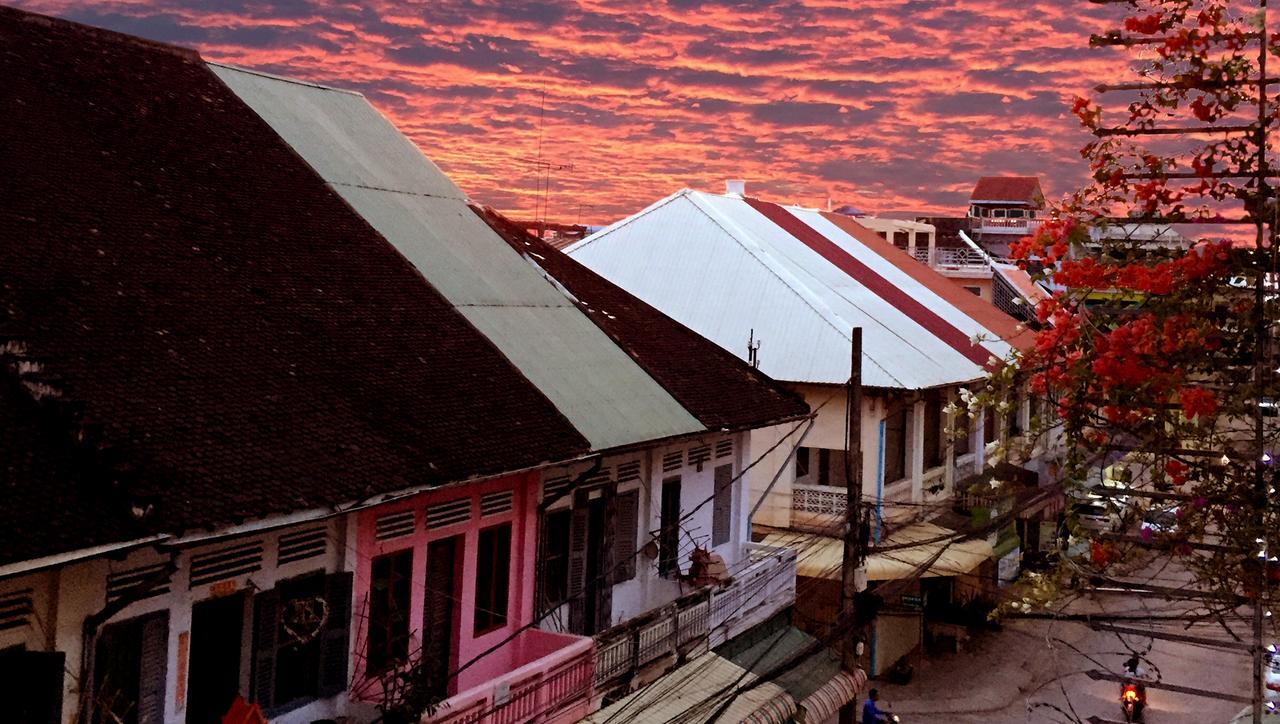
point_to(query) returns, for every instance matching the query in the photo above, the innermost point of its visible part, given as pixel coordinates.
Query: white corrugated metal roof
(726, 270)
(609, 398)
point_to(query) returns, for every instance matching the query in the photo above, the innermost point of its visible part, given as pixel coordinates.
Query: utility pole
(854, 550)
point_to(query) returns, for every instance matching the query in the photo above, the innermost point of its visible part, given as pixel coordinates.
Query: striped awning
(841, 689)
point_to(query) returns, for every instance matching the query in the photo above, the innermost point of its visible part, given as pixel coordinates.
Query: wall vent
(495, 503)
(230, 562)
(16, 609)
(121, 582)
(393, 525)
(724, 449)
(672, 462)
(699, 455)
(554, 488)
(301, 545)
(601, 477)
(629, 471)
(451, 513)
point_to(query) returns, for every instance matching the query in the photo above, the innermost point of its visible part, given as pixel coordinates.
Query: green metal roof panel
(339, 134)
(454, 249)
(609, 398)
(602, 391)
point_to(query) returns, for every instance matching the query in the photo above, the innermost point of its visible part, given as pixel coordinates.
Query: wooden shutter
(608, 539)
(334, 651)
(578, 524)
(152, 669)
(627, 527)
(722, 506)
(266, 628)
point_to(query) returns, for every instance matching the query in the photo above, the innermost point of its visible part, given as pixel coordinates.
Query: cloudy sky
(886, 104)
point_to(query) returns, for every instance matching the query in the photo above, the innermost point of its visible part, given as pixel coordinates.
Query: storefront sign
(912, 601)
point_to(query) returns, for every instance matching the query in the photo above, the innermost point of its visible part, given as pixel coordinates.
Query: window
(932, 429)
(975, 291)
(1015, 213)
(824, 466)
(391, 576)
(989, 426)
(669, 531)
(963, 428)
(895, 445)
(129, 668)
(802, 462)
(997, 213)
(722, 506)
(300, 641)
(493, 577)
(555, 558)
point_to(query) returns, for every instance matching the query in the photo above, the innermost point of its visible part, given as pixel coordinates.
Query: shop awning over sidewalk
(817, 682)
(821, 556)
(693, 693)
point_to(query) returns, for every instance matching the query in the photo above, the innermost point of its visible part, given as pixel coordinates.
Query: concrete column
(915, 443)
(911, 242)
(949, 450)
(977, 442)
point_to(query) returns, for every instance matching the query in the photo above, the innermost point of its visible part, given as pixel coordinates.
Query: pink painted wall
(523, 519)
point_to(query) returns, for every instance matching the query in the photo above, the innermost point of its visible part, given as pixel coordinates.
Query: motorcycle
(1133, 700)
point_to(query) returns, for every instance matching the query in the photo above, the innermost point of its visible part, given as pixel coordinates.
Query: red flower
(1147, 24)
(1197, 402)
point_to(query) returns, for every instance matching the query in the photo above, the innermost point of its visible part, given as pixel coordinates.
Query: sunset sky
(890, 105)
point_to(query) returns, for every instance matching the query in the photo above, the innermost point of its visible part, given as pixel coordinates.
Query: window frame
(492, 580)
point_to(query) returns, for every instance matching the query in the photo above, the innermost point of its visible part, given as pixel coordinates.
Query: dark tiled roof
(246, 342)
(1007, 188)
(717, 387)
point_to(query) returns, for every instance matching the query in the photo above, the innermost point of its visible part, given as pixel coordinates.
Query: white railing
(989, 225)
(555, 686)
(960, 258)
(704, 619)
(765, 587)
(636, 644)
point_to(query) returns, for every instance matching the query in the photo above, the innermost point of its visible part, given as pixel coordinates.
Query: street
(1034, 670)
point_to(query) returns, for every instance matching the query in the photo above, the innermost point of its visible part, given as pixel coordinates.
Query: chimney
(735, 187)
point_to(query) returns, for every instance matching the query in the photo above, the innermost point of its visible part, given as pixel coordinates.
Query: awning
(822, 556)
(691, 694)
(817, 682)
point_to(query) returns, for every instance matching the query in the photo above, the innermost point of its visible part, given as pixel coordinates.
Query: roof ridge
(285, 78)
(626, 220)
(28, 16)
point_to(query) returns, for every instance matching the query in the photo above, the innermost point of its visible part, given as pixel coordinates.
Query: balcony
(644, 648)
(955, 259)
(1019, 226)
(548, 679)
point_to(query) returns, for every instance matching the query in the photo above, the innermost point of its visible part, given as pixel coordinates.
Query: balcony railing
(555, 685)
(1023, 226)
(763, 588)
(650, 644)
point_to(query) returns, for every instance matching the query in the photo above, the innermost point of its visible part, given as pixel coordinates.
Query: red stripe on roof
(980, 310)
(881, 287)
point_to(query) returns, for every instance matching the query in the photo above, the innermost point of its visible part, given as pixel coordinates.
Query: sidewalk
(997, 669)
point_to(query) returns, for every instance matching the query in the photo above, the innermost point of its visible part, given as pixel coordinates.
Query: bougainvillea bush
(1159, 353)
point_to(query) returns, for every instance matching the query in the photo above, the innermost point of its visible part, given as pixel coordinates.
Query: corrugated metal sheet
(925, 544)
(683, 695)
(728, 271)
(607, 397)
